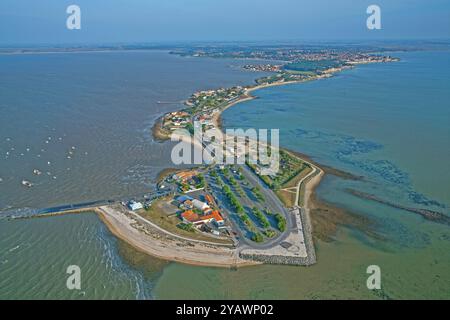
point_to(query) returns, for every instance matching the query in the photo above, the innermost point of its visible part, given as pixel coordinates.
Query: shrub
(257, 237)
(281, 222)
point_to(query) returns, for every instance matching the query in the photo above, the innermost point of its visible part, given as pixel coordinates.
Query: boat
(37, 172)
(27, 183)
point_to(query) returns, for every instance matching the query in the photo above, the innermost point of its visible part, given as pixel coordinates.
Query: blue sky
(111, 21)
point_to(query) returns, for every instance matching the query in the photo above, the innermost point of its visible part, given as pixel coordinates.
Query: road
(299, 186)
(271, 201)
(153, 225)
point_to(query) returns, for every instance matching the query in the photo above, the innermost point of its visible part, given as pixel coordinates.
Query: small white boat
(37, 172)
(27, 184)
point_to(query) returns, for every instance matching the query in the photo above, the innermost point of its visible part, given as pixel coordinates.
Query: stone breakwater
(283, 255)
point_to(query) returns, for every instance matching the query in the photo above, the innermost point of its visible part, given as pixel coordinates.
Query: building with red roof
(215, 216)
(191, 217)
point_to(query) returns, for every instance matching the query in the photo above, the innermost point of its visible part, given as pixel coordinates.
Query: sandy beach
(151, 241)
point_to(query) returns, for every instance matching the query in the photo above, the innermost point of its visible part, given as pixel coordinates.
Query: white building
(133, 205)
(199, 205)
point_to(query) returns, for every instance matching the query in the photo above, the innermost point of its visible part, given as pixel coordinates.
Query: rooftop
(190, 216)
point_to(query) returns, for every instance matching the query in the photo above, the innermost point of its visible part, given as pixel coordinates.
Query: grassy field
(292, 170)
(293, 163)
(287, 198)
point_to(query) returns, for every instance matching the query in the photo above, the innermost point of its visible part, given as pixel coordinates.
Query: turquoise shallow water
(386, 122)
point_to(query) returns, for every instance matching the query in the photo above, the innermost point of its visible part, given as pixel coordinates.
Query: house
(191, 217)
(200, 205)
(209, 199)
(188, 204)
(182, 199)
(207, 211)
(134, 206)
(215, 217)
(204, 120)
(184, 176)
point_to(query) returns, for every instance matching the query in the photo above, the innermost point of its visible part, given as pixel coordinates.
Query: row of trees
(281, 222)
(258, 194)
(269, 233)
(261, 217)
(257, 237)
(233, 199)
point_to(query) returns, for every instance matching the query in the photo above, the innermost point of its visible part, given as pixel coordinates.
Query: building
(188, 204)
(207, 211)
(200, 205)
(209, 199)
(134, 206)
(191, 217)
(205, 120)
(214, 217)
(182, 199)
(184, 176)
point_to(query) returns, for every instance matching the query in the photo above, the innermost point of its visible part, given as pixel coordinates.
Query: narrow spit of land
(295, 246)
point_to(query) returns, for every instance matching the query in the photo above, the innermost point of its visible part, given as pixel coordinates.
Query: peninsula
(233, 216)
(230, 215)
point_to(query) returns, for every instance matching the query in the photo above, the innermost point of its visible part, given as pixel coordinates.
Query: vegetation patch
(281, 222)
(261, 217)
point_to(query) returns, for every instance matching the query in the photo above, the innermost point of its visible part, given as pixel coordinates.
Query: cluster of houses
(205, 119)
(262, 67)
(200, 214)
(176, 120)
(189, 181)
(214, 97)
